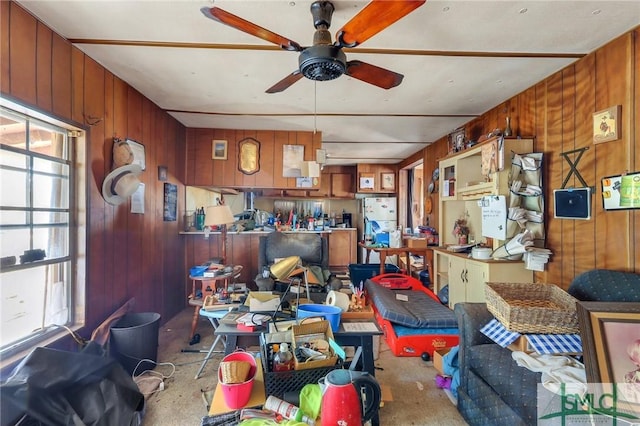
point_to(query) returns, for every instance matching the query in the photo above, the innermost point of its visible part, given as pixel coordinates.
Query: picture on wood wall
(170, 202)
(606, 124)
(292, 158)
(219, 150)
(621, 192)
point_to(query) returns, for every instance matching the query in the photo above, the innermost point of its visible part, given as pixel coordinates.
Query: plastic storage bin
(361, 272)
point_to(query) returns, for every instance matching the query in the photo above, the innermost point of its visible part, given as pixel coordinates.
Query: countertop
(327, 231)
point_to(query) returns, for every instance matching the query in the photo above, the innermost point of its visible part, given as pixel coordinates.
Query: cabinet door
(342, 249)
(342, 185)
(475, 277)
(457, 287)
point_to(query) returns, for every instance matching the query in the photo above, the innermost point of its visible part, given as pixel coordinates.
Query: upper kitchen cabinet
(377, 178)
(337, 182)
(248, 158)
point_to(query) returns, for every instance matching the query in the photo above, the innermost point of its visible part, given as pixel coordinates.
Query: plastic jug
(342, 404)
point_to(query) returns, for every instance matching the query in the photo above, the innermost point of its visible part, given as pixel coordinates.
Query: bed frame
(409, 341)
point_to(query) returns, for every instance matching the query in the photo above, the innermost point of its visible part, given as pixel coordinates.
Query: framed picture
(388, 181)
(366, 182)
(456, 140)
(606, 124)
(249, 156)
(621, 192)
(162, 173)
(170, 207)
(219, 149)
(610, 333)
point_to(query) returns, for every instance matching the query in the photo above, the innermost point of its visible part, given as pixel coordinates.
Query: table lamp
(220, 216)
(286, 269)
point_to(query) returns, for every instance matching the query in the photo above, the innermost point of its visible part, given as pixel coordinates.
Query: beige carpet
(415, 398)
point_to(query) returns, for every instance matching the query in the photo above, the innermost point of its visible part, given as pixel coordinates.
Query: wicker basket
(532, 308)
(234, 371)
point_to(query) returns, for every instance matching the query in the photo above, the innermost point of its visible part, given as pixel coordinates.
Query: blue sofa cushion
(420, 311)
(516, 385)
(603, 285)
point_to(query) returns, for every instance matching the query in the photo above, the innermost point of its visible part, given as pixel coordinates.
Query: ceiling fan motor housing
(322, 62)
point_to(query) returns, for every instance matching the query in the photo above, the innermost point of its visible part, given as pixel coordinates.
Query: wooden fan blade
(371, 74)
(285, 82)
(238, 23)
(375, 17)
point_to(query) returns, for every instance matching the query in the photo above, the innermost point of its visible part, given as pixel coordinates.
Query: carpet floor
(415, 399)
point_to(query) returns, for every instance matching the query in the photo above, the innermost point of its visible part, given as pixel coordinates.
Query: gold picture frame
(249, 156)
(219, 149)
(607, 125)
(388, 181)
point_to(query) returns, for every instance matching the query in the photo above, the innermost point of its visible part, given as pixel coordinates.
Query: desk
(257, 398)
(205, 283)
(360, 339)
(427, 252)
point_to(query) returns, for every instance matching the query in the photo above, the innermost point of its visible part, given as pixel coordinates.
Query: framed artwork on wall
(249, 156)
(219, 149)
(621, 192)
(388, 181)
(607, 124)
(366, 181)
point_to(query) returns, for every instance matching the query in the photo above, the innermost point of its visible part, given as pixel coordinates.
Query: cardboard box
(417, 242)
(366, 313)
(521, 344)
(310, 331)
(437, 360)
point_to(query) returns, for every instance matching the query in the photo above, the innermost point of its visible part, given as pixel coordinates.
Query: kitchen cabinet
(204, 171)
(343, 245)
(377, 173)
(467, 277)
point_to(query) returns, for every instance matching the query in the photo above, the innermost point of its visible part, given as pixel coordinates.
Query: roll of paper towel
(339, 299)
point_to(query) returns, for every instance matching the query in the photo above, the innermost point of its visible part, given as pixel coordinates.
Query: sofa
(493, 389)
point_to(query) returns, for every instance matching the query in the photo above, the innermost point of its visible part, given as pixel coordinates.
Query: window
(40, 229)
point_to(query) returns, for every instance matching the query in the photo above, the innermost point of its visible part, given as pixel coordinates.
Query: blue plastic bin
(361, 272)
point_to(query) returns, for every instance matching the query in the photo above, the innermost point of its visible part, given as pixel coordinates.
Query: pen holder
(199, 221)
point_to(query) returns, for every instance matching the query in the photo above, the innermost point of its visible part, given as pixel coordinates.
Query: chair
(312, 249)
(214, 318)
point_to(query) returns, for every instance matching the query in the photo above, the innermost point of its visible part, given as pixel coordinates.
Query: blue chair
(214, 318)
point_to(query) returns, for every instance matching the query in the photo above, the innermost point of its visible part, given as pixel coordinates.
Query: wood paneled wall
(130, 255)
(558, 112)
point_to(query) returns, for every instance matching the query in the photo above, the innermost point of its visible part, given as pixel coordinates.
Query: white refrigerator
(379, 215)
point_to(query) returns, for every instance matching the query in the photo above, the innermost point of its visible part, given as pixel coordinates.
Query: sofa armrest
(471, 318)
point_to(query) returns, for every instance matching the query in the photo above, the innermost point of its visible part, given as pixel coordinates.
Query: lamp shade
(283, 269)
(218, 215)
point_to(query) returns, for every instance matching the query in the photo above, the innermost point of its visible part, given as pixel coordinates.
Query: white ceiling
(209, 75)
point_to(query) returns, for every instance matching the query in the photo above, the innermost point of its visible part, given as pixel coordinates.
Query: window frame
(73, 262)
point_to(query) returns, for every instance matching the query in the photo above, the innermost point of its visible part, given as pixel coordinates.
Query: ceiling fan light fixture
(322, 63)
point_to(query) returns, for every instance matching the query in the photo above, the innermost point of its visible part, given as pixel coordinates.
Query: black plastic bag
(72, 388)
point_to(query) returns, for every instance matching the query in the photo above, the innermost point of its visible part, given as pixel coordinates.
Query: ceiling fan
(325, 60)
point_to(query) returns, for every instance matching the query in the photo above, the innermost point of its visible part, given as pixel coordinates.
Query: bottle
(283, 359)
(287, 410)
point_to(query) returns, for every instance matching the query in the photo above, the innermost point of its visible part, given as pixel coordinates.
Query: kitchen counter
(326, 231)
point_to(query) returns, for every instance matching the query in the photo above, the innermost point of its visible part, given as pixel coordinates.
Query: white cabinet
(467, 277)
(470, 175)
(466, 177)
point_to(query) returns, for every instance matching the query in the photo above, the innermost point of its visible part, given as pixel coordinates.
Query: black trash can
(134, 337)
